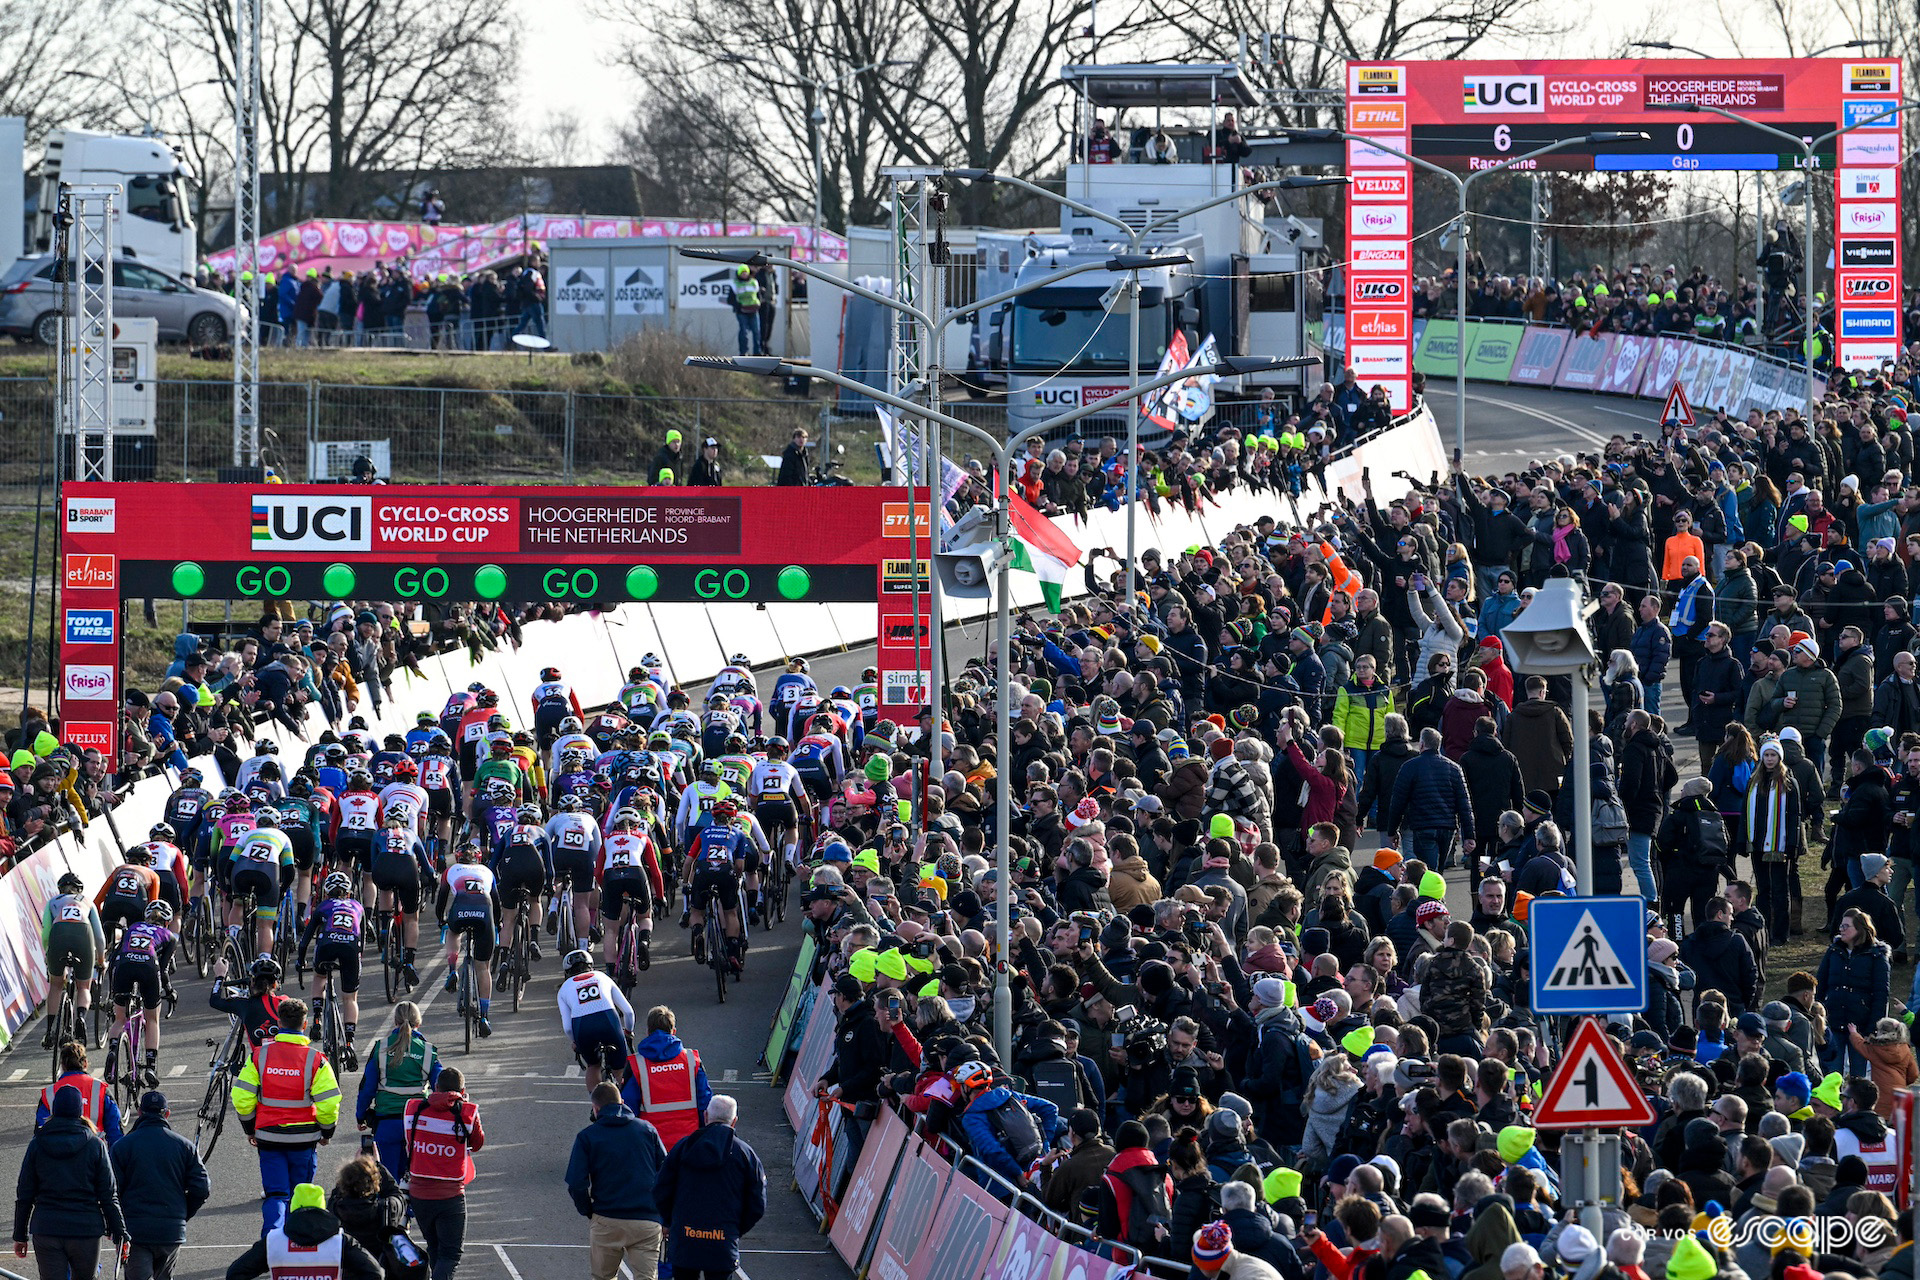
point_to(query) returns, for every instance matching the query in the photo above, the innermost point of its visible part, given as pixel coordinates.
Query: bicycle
(327, 1017)
(211, 1118)
(235, 948)
(469, 996)
(63, 1018)
(128, 1085)
(198, 934)
(716, 939)
(514, 968)
(563, 903)
(285, 931)
(626, 955)
(393, 956)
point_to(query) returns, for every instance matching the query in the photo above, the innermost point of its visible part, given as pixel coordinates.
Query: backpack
(1152, 1216)
(1708, 841)
(1057, 1080)
(1014, 1129)
(1609, 822)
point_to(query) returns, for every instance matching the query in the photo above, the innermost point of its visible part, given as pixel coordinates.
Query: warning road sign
(1590, 955)
(1592, 1086)
(1676, 412)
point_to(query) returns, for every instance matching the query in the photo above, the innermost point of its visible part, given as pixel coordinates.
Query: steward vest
(669, 1098)
(284, 1109)
(93, 1096)
(403, 1075)
(289, 1261)
(1882, 1158)
(746, 292)
(437, 1143)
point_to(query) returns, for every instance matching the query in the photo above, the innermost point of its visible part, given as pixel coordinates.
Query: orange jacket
(1678, 547)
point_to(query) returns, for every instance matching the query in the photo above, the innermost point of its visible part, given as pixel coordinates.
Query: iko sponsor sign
(90, 626)
(1868, 287)
(311, 522)
(1377, 291)
(89, 515)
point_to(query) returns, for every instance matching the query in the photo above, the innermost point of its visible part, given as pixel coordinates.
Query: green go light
(794, 583)
(189, 579)
(339, 580)
(642, 582)
(490, 582)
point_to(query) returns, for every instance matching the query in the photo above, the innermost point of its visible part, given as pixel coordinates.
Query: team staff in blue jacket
(162, 1183)
(712, 1191)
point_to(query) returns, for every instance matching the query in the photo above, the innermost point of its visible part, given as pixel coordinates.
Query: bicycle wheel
(63, 1023)
(565, 904)
(717, 949)
(126, 1078)
(203, 925)
(212, 1116)
(469, 1001)
(517, 965)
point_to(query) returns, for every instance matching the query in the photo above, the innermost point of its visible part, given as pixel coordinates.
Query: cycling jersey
(589, 993)
(787, 689)
(334, 920)
(250, 769)
(774, 780)
(498, 821)
(569, 742)
(642, 699)
(718, 847)
(437, 773)
(144, 943)
(696, 807)
(264, 847)
(131, 882)
(184, 813)
(508, 770)
(735, 771)
(468, 884)
(573, 833)
(868, 696)
(818, 758)
(404, 798)
(170, 866)
(454, 712)
(356, 815)
(557, 698)
(70, 929)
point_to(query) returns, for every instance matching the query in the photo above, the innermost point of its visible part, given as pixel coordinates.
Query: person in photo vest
(288, 1102)
(97, 1106)
(310, 1246)
(1859, 1131)
(666, 1086)
(404, 1067)
(442, 1132)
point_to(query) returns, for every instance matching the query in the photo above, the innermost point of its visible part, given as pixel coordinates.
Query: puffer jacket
(66, 1185)
(1853, 984)
(1541, 739)
(1455, 991)
(1327, 1104)
(1184, 792)
(1816, 710)
(1362, 714)
(1853, 672)
(1132, 884)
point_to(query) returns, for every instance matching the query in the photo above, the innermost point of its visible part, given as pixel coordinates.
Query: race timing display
(457, 544)
(1472, 115)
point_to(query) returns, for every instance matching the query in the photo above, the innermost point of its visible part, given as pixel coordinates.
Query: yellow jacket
(323, 1092)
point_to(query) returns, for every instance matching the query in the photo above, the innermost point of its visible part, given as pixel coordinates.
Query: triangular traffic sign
(1587, 963)
(1676, 412)
(1592, 1086)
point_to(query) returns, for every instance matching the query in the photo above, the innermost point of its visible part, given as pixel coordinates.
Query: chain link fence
(314, 431)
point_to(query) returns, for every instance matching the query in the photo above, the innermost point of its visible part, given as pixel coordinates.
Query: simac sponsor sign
(1379, 326)
(1377, 219)
(1379, 186)
(1867, 184)
(1378, 255)
(1883, 218)
(1377, 291)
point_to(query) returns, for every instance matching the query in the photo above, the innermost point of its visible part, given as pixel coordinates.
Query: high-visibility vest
(437, 1142)
(289, 1261)
(285, 1101)
(1882, 1158)
(93, 1096)
(403, 1075)
(746, 291)
(669, 1094)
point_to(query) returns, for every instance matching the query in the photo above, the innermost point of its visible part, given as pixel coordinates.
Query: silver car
(30, 303)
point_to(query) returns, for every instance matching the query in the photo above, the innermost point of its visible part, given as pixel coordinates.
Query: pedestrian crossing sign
(1589, 954)
(1592, 1087)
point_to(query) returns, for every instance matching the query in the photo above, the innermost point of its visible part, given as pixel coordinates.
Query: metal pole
(1134, 408)
(818, 118)
(1002, 817)
(1460, 327)
(1582, 784)
(1807, 308)
(246, 209)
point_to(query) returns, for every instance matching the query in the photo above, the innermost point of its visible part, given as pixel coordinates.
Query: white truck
(153, 222)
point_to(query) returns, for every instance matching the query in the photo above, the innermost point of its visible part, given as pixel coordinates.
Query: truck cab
(152, 222)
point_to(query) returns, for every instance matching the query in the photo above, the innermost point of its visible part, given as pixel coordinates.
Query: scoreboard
(1678, 143)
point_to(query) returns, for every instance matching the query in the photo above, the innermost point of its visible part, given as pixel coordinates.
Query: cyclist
(123, 899)
(143, 955)
(719, 723)
(262, 866)
(300, 818)
(787, 688)
(520, 867)
(496, 817)
(186, 808)
(263, 751)
(471, 734)
(570, 737)
(807, 703)
(440, 779)
(399, 869)
(332, 772)
(630, 882)
(573, 839)
(229, 829)
(552, 700)
(779, 798)
(501, 766)
(641, 697)
(425, 725)
(526, 753)
(718, 857)
(405, 795)
(456, 708)
(819, 759)
(356, 817)
(393, 749)
(168, 863)
(468, 902)
(70, 933)
(605, 727)
(697, 804)
(405, 1066)
(573, 778)
(258, 1005)
(337, 920)
(867, 695)
(96, 1100)
(736, 764)
(594, 1016)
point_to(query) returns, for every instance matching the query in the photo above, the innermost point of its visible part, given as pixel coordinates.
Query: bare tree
(694, 154)
(41, 45)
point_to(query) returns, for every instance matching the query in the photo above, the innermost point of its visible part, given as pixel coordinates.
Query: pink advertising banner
(1585, 362)
(1539, 357)
(1627, 363)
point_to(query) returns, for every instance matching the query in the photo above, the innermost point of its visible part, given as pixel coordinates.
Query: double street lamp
(1461, 185)
(1003, 454)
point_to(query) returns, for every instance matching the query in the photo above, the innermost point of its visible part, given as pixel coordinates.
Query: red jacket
(1131, 1158)
(1323, 793)
(442, 1133)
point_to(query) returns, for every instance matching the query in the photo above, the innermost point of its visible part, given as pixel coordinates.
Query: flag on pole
(1040, 548)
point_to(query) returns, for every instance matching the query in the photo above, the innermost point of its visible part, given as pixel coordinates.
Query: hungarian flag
(1041, 548)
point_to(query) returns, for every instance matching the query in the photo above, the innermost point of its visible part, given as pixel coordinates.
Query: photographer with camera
(1005, 1130)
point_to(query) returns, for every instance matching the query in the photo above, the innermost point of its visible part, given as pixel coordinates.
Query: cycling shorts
(170, 891)
(440, 803)
(775, 814)
(301, 838)
(573, 869)
(476, 921)
(399, 874)
(122, 908)
(816, 782)
(353, 849)
(71, 940)
(264, 885)
(751, 860)
(593, 1030)
(344, 959)
(724, 883)
(521, 874)
(145, 974)
(621, 884)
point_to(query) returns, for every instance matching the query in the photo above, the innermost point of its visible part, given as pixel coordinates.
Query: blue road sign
(1589, 954)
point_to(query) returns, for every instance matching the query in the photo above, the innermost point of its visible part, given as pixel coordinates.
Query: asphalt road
(522, 1224)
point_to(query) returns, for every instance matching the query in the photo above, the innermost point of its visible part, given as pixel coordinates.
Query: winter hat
(1433, 885)
(1358, 1041)
(1828, 1094)
(1220, 826)
(1428, 910)
(1807, 646)
(1538, 801)
(1281, 1184)
(893, 964)
(1429, 1215)
(1661, 950)
(1690, 1261)
(66, 1103)
(1231, 1101)
(1575, 1244)
(863, 964)
(1270, 992)
(1795, 1085)
(1789, 1147)
(1519, 1256)
(1872, 864)
(1223, 1124)
(1088, 810)
(1790, 734)
(1385, 859)
(1515, 1141)
(879, 769)
(1342, 1168)
(1211, 1246)
(308, 1195)
(1314, 942)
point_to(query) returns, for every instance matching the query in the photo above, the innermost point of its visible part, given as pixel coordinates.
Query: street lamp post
(1462, 185)
(1135, 236)
(1806, 147)
(776, 367)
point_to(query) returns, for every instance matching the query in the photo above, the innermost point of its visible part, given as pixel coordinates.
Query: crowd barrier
(1714, 375)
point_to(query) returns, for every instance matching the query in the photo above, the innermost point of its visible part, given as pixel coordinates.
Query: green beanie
(879, 769)
(1691, 1261)
(308, 1196)
(1433, 885)
(665, 476)
(45, 744)
(1281, 1184)
(1221, 826)
(1358, 1041)
(1515, 1141)
(21, 757)
(893, 964)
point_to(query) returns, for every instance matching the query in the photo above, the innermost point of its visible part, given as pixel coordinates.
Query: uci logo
(315, 522)
(1483, 95)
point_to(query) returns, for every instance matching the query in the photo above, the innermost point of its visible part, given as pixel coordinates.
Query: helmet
(269, 772)
(487, 698)
(360, 780)
(71, 883)
(725, 810)
(267, 817)
(405, 770)
(709, 769)
(636, 674)
(841, 691)
(528, 814)
(338, 885)
(478, 686)
(869, 674)
(736, 744)
(577, 962)
(161, 833)
(336, 753)
(439, 743)
(739, 660)
(266, 747)
(239, 802)
(499, 787)
(973, 1075)
(571, 725)
(393, 742)
(190, 777)
(159, 911)
(383, 772)
(651, 661)
(426, 719)
(500, 747)
(776, 746)
(568, 803)
(522, 738)
(797, 664)
(659, 740)
(626, 820)
(646, 797)
(573, 758)
(717, 702)
(468, 851)
(266, 967)
(498, 723)
(300, 786)
(549, 673)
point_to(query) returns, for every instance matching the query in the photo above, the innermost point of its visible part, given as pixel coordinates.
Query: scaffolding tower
(246, 231)
(86, 327)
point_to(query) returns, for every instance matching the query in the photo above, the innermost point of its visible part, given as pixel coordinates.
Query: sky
(565, 46)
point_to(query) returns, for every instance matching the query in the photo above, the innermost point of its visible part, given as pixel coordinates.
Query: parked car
(30, 303)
